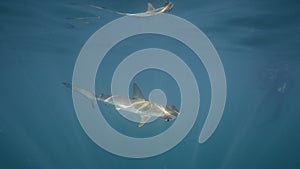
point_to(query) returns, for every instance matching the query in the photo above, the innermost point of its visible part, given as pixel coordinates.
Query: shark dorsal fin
(137, 94)
(150, 7)
(144, 119)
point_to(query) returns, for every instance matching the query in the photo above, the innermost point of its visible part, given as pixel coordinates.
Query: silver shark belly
(137, 106)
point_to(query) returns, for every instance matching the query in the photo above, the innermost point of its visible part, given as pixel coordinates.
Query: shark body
(137, 104)
(150, 10)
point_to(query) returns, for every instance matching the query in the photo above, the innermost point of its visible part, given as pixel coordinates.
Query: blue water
(258, 43)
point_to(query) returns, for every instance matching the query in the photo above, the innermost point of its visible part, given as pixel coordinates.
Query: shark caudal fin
(88, 94)
(137, 94)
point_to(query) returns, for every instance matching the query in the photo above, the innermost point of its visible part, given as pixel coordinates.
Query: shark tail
(106, 9)
(88, 94)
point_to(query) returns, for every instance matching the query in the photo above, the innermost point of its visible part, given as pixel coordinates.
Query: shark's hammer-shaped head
(168, 6)
(170, 112)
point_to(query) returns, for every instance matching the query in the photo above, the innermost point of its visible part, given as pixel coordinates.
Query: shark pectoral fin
(144, 119)
(118, 108)
(150, 7)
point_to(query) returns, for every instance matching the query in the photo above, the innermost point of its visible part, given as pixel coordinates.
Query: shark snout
(169, 6)
(171, 112)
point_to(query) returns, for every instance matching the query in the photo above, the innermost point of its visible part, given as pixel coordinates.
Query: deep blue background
(257, 40)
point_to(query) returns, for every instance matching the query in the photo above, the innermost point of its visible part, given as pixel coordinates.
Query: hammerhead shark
(150, 10)
(136, 104)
